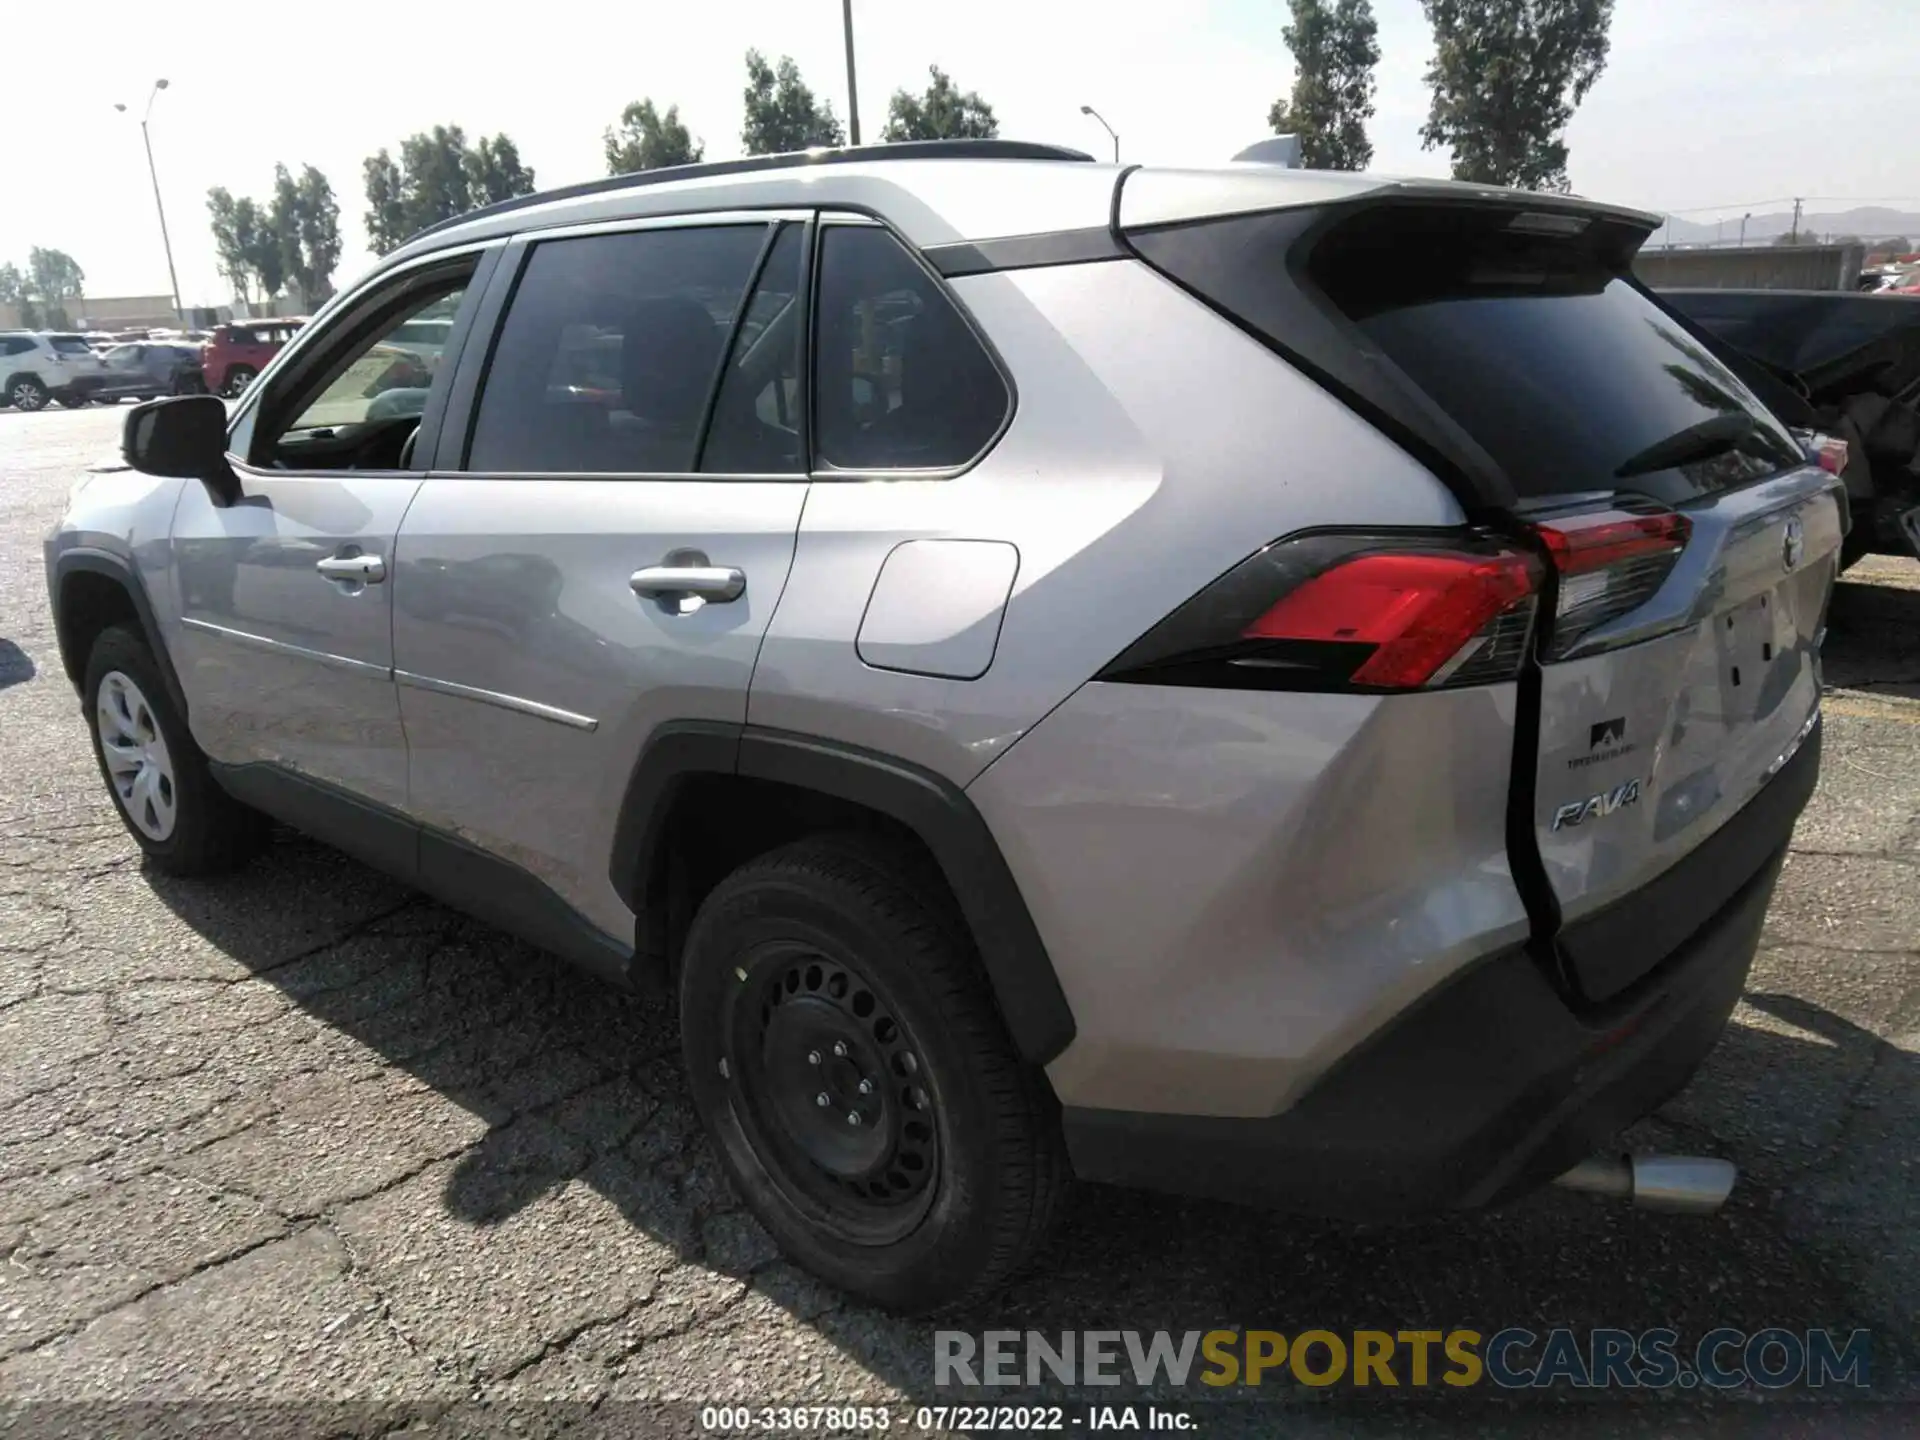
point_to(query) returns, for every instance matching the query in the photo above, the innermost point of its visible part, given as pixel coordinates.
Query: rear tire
(157, 776)
(238, 378)
(820, 968)
(69, 401)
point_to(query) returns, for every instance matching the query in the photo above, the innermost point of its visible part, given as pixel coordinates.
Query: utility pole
(1743, 228)
(166, 243)
(1794, 238)
(853, 94)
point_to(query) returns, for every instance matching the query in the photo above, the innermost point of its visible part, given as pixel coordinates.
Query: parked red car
(237, 352)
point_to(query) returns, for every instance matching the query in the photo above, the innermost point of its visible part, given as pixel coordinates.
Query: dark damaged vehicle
(1846, 365)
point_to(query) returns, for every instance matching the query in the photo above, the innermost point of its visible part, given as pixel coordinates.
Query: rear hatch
(1687, 544)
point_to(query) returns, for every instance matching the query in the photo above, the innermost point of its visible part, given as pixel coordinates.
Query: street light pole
(853, 94)
(166, 241)
(1089, 110)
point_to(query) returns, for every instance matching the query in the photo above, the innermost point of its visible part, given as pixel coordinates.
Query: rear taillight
(1831, 454)
(1609, 562)
(1349, 612)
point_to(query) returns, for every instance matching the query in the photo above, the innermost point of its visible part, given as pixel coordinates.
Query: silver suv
(1258, 683)
(36, 367)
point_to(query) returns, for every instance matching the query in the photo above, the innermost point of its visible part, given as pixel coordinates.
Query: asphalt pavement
(301, 1137)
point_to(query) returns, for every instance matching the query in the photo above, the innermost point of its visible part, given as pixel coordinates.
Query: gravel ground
(302, 1136)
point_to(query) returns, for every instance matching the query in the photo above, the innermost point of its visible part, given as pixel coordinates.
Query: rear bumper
(1494, 1083)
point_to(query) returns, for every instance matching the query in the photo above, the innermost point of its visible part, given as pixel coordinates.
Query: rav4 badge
(1597, 807)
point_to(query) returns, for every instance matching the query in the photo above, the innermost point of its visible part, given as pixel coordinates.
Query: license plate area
(1750, 636)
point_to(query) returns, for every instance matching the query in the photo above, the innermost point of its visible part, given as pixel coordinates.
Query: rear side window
(17, 345)
(609, 350)
(901, 380)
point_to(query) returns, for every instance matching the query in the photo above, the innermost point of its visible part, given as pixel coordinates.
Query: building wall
(1754, 267)
(119, 312)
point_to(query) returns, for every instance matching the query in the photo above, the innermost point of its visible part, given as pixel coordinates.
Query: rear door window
(610, 350)
(901, 380)
(756, 419)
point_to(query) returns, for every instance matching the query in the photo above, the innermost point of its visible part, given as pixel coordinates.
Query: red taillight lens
(1334, 611)
(1418, 611)
(1610, 562)
(1830, 452)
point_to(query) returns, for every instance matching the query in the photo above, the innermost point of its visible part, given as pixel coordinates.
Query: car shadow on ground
(16, 666)
(509, 1034)
(1873, 635)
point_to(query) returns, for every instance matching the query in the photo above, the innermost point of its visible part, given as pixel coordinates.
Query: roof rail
(791, 160)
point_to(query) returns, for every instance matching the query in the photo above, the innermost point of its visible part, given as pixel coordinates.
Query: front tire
(157, 776)
(69, 400)
(851, 1068)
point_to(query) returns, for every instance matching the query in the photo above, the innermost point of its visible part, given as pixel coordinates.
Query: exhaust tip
(1678, 1184)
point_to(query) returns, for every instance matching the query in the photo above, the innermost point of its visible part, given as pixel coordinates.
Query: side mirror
(182, 437)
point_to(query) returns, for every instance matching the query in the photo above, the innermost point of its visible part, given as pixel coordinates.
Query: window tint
(756, 420)
(18, 345)
(1568, 376)
(901, 381)
(609, 351)
(71, 345)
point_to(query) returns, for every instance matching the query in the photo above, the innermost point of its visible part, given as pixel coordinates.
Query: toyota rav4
(1066, 669)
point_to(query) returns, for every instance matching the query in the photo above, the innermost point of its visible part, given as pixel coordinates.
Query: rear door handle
(367, 569)
(716, 583)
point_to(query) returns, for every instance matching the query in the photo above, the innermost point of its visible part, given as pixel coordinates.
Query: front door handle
(716, 583)
(366, 569)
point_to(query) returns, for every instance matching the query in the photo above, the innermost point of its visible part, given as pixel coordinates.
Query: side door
(606, 530)
(286, 623)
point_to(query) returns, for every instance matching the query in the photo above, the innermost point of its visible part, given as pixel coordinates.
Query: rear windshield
(1520, 327)
(1536, 346)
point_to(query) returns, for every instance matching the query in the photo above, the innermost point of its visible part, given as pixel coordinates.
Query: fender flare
(1019, 970)
(99, 562)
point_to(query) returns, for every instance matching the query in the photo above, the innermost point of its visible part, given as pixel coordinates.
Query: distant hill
(1869, 222)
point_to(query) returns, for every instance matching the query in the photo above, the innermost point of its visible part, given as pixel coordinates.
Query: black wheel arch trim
(1022, 976)
(99, 562)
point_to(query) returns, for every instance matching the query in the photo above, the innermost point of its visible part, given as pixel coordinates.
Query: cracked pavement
(302, 1135)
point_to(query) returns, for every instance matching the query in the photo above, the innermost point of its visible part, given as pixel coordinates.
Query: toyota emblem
(1793, 544)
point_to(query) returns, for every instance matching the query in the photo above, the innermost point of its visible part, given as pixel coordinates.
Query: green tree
(15, 291)
(56, 278)
(648, 140)
(386, 213)
(304, 220)
(318, 226)
(437, 177)
(494, 172)
(781, 112)
(1335, 49)
(941, 113)
(1506, 77)
(236, 226)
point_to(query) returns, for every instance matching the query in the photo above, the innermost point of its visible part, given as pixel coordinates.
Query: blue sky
(1704, 102)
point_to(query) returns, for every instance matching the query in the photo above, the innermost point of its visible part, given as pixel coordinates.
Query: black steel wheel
(846, 1056)
(830, 1080)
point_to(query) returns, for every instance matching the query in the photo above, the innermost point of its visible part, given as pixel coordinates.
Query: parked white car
(39, 366)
